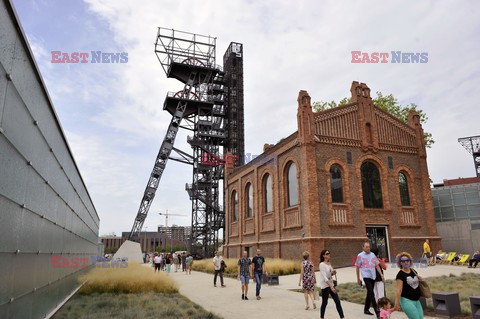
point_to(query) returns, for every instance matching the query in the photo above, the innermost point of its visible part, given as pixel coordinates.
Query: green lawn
(466, 285)
(130, 306)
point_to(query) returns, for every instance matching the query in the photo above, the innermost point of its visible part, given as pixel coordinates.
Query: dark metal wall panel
(45, 208)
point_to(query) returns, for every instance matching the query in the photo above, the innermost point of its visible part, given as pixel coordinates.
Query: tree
(387, 103)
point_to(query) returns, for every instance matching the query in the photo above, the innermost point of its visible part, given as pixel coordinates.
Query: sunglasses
(327, 253)
(405, 260)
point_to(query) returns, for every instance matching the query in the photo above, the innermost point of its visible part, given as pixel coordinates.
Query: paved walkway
(278, 301)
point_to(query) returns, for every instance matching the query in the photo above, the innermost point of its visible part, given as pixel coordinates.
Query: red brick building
(349, 173)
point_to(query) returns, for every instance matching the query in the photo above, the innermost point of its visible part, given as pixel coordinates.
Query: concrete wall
(45, 209)
(458, 236)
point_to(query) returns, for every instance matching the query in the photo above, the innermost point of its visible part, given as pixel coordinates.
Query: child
(385, 305)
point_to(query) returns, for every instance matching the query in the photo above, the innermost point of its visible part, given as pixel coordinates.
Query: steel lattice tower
(190, 58)
(472, 145)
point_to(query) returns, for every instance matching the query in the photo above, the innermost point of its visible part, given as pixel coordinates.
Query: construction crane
(166, 214)
(472, 145)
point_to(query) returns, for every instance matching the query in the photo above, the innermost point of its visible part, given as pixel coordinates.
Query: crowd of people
(369, 266)
(165, 262)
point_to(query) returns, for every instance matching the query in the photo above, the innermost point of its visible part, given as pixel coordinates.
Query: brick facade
(346, 136)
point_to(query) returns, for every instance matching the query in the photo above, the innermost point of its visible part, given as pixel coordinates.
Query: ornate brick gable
(361, 124)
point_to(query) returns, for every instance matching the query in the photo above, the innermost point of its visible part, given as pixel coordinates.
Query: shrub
(274, 266)
(133, 279)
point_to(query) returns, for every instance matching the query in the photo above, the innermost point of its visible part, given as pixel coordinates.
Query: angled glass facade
(457, 202)
(46, 213)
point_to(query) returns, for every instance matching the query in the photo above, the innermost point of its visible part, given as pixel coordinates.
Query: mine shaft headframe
(173, 46)
(472, 145)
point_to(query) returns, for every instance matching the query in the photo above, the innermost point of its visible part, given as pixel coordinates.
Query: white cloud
(288, 47)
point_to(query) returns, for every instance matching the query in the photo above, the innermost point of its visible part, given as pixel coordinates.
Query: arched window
(403, 185)
(249, 199)
(235, 205)
(371, 186)
(336, 186)
(292, 184)
(267, 191)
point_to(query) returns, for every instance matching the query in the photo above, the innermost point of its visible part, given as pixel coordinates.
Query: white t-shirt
(325, 275)
(217, 262)
(157, 259)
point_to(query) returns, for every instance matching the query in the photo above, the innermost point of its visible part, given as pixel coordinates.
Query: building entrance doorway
(378, 237)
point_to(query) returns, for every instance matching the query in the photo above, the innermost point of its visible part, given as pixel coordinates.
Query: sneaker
(223, 286)
(246, 298)
(214, 285)
(243, 297)
(258, 297)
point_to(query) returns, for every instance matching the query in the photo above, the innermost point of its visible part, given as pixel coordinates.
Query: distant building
(181, 233)
(457, 213)
(150, 241)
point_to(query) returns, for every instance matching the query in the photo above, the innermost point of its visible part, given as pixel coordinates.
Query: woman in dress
(307, 277)
(408, 288)
(326, 284)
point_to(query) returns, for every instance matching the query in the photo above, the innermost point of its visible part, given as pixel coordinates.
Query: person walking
(184, 261)
(258, 269)
(157, 262)
(308, 280)
(163, 261)
(427, 252)
(327, 285)
(244, 273)
(217, 264)
(168, 262)
(188, 264)
(379, 287)
(175, 261)
(367, 264)
(408, 288)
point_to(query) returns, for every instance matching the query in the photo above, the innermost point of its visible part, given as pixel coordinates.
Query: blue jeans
(258, 280)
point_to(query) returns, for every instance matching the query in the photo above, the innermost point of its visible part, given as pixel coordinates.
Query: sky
(112, 113)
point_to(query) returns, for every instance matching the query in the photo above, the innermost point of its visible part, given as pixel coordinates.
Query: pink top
(385, 313)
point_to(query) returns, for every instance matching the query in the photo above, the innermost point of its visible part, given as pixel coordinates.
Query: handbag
(424, 288)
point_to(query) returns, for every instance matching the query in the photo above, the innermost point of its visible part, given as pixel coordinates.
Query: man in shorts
(244, 273)
(427, 252)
